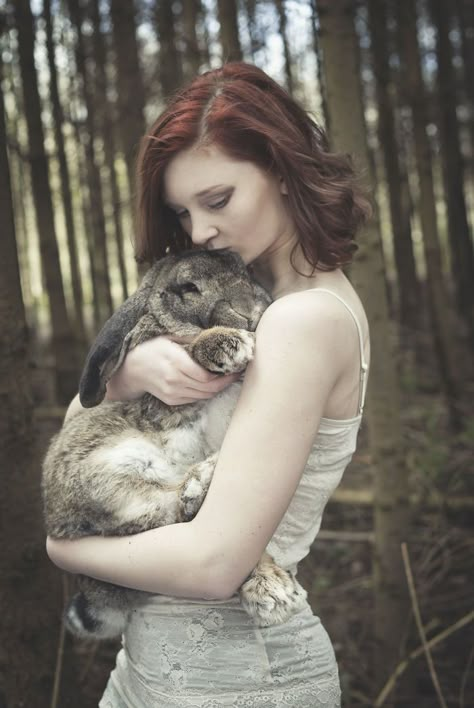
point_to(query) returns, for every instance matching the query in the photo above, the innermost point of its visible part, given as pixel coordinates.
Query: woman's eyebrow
(202, 193)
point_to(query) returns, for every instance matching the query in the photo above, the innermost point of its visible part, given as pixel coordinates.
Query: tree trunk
(100, 261)
(319, 63)
(29, 599)
(257, 42)
(130, 89)
(348, 134)
(281, 11)
(63, 341)
(170, 67)
(58, 120)
(106, 129)
(443, 334)
(465, 11)
(462, 254)
(192, 54)
(229, 30)
(408, 286)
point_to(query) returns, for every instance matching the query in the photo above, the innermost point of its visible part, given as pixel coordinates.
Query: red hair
(250, 117)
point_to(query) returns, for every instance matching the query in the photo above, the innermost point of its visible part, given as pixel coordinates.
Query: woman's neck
(284, 270)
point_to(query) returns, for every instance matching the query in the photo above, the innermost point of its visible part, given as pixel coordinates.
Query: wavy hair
(250, 117)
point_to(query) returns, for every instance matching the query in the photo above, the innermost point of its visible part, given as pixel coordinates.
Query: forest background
(393, 82)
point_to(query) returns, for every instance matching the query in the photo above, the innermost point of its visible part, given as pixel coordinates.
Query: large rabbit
(121, 468)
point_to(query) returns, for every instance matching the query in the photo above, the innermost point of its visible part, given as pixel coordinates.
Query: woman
(235, 163)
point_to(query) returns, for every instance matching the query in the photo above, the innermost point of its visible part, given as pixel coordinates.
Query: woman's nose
(202, 231)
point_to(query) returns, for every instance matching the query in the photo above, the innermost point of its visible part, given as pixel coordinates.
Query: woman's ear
(283, 187)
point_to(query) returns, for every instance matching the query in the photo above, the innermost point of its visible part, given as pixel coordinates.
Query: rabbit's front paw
(224, 350)
(271, 595)
(195, 487)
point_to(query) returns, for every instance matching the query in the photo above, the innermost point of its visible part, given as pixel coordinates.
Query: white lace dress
(181, 653)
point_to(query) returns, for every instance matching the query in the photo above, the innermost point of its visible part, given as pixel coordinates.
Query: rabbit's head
(179, 295)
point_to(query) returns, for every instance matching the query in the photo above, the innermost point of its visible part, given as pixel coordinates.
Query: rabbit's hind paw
(272, 595)
(195, 487)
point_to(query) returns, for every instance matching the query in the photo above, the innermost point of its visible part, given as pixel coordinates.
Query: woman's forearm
(169, 560)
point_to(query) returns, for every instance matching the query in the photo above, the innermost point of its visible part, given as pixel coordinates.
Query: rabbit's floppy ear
(111, 345)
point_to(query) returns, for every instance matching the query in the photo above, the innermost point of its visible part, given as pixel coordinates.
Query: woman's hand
(163, 368)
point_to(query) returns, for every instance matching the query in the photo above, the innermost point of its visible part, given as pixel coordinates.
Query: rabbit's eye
(189, 288)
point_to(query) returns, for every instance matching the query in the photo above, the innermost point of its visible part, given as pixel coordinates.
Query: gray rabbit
(125, 467)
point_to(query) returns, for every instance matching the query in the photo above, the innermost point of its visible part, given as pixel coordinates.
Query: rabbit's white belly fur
(165, 457)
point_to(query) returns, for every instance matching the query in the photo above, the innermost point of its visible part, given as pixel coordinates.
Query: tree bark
(348, 134)
(130, 89)
(192, 54)
(465, 11)
(58, 119)
(408, 286)
(462, 253)
(229, 30)
(443, 333)
(29, 598)
(100, 261)
(63, 340)
(105, 127)
(170, 66)
(281, 11)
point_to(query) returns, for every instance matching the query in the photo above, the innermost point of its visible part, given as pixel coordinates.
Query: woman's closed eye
(216, 204)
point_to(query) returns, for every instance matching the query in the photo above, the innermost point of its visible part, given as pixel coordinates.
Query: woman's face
(226, 203)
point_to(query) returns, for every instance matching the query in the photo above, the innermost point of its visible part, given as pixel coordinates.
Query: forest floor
(338, 571)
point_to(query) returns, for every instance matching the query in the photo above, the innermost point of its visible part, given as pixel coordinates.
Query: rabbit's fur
(125, 467)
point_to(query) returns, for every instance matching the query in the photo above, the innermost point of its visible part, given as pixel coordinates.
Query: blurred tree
(413, 88)
(28, 594)
(408, 286)
(100, 261)
(192, 59)
(465, 13)
(348, 134)
(227, 14)
(63, 340)
(105, 127)
(58, 120)
(462, 253)
(170, 61)
(282, 27)
(130, 88)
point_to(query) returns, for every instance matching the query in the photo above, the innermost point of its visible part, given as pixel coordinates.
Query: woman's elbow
(220, 582)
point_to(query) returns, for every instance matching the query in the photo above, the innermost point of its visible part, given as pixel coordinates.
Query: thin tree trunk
(348, 134)
(229, 30)
(408, 286)
(443, 334)
(106, 128)
(101, 264)
(462, 254)
(130, 89)
(63, 341)
(256, 39)
(281, 11)
(317, 53)
(192, 53)
(58, 120)
(465, 11)
(28, 591)
(170, 67)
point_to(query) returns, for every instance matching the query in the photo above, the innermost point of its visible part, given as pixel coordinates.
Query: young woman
(235, 163)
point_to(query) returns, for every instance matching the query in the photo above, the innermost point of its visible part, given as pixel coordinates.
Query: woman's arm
(300, 353)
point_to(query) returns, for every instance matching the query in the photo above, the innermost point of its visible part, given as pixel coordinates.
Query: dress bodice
(334, 445)
(332, 451)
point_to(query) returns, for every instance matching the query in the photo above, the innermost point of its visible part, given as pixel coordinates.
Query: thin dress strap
(363, 364)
